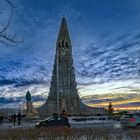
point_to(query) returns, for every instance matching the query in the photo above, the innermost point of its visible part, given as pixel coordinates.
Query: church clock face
(63, 51)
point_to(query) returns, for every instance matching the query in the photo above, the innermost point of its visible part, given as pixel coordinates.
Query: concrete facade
(63, 93)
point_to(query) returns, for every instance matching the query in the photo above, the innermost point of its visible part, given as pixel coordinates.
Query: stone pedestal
(31, 110)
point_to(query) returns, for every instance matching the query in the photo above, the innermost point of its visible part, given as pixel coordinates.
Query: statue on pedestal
(31, 112)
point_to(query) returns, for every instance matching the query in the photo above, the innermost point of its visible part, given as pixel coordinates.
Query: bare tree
(5, 37)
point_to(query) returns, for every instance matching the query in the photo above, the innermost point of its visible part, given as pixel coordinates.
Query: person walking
(14, 118)
(19, 118)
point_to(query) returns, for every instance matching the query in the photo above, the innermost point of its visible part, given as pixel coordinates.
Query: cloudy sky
(105, 36)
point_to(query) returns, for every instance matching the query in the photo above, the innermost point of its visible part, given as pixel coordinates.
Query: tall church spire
(63, 93)
(63, 35)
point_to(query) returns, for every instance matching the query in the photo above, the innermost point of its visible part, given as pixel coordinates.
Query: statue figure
(31, 111)
(28, 96)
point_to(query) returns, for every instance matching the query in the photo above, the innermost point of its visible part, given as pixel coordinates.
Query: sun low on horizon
(105, 38)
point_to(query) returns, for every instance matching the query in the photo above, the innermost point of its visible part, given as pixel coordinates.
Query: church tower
(63, 93)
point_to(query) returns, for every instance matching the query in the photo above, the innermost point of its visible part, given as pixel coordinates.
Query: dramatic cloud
(106, 49)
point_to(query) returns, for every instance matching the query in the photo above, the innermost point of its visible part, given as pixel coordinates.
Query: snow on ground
(87, 122)
(11, 126)
(93, 121)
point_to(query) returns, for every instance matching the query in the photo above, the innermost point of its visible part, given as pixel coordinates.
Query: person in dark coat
(1, 119)
(14, 118)
(19, 118)
(65, 119)
(11, 118)
(64, 113)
